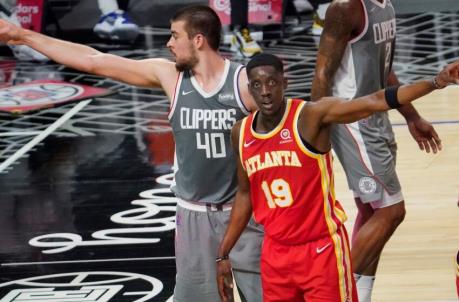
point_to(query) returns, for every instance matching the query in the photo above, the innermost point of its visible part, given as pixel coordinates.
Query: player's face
(182, 47)
(267, 87)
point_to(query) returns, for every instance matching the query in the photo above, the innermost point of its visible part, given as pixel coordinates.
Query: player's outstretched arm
(149, 72)
(335, 110)
(240, 216)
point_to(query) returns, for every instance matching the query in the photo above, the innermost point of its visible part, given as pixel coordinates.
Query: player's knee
(393, 215)
(397, 214)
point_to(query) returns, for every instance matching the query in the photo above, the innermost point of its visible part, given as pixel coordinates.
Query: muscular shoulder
(348, 7)
(161, 71)
(313, 112)
(344, 14)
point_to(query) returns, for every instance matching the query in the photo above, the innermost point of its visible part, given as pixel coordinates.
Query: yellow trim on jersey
(341, 215)
(332, 227)
(347, 257)
(241, 139)
(276, 129)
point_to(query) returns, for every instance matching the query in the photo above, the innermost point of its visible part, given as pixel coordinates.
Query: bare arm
(148, 72)
(342, 20)
(335, 110)
(408, 111)
(240, 216)
(420, 129)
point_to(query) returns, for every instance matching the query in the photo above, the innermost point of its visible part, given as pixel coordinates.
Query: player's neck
(209, 70)
(266, 123)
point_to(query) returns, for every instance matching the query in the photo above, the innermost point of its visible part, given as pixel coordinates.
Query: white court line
(25, 133)
(86, 261)
(43, 134)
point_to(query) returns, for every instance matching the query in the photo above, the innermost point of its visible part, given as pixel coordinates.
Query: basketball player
(208, 94)
(285, 177)
(355, 59)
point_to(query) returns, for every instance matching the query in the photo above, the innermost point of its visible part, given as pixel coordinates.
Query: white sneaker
(25, 53)
(243, 44)
(116, 25)
(302, 6)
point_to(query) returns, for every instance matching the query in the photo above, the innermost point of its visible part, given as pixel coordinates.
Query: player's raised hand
(9, 32)
(449, 75)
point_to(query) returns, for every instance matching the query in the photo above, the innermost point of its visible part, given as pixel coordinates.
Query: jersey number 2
(278, 193)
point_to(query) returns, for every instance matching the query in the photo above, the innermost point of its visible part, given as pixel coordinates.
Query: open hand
(425, 135)
(225, 280)
(449, 75)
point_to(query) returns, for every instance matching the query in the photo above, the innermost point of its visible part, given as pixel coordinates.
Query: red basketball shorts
(318, 271)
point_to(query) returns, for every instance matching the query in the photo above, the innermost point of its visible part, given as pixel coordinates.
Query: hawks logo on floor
(37, 95)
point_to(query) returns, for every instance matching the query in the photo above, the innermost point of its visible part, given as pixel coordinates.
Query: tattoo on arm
(338, 29)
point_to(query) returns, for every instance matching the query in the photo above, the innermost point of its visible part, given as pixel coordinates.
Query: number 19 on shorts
(212, 143)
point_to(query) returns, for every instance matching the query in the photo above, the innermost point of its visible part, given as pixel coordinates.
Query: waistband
(202, 206)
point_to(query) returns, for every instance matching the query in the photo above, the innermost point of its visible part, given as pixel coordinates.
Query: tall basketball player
(354, 59)
(208, 94)
(285, 177)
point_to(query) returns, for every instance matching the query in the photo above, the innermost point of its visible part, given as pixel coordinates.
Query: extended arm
(240, 216)
(334, 110)
(342, 21)
(148, 72)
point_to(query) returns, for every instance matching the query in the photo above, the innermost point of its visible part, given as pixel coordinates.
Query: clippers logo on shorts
(367, 185)
(41, 94)
(82, 287)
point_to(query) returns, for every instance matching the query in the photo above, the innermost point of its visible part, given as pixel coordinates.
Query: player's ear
(199, 40)
(285, 82)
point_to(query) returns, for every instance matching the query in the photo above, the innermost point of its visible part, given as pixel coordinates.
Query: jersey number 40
(212, 143)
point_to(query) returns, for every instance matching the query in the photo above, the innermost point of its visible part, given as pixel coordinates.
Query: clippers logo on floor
(83, 287)
(42, 94)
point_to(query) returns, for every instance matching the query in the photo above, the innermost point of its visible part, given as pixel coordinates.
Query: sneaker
(25, 53)
(116, 25)
(317, 25)
(243, 44)
(302, 6)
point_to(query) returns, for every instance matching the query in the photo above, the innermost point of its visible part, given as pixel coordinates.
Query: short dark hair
(201, 19)
(265, 59)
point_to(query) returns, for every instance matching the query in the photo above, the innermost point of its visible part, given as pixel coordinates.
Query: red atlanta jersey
(291, 187)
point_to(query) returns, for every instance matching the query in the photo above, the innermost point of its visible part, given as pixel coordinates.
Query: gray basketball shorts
(368, 156)
(198, 236)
